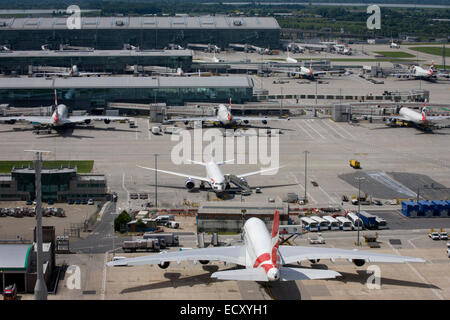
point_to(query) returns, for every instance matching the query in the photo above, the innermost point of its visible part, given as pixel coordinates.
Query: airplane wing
(232, 254)
(398, 118)
(291, 254)
(178, 174)
(194, 119)
(31, 119)
(318, 73)
(237, 118)
(92, 73)
(81, 119)
(434, 118)
(257, 172)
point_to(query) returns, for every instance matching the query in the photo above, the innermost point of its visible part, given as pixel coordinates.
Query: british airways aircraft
(263, 257)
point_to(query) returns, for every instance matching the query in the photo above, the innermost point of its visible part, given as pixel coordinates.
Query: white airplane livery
(60, 118)
(225, 118)
(264, 258)
(214, 176)
(420, 120)
(301, 71)
(417, 72)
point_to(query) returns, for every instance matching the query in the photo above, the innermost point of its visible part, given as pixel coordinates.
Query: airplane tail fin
(431, 70)
(275, 236)
(56, 98)
(424, 111)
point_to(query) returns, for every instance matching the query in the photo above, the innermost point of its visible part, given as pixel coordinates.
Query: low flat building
(58, 185)
(230, 217)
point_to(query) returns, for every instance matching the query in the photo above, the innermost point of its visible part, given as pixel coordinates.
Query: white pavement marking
(437, 294)
(303, 129)
(321, 189)
(315, 130)
(412, 244)
(102, 295)
(344, 130)
(327, 123)
(301, 186)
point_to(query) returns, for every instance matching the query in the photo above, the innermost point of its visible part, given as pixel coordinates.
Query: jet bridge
(240, 183)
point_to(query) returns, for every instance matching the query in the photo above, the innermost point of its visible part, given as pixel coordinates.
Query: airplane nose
(273, 274)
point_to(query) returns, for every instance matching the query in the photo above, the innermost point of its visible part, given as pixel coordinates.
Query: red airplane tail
(275, 236)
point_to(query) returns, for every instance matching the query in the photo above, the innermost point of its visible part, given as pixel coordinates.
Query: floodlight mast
(40, 289)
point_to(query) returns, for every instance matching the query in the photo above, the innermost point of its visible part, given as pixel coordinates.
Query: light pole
(359, 207)
(156, 180)
(281, 103)
(40, 288)
(306, 163)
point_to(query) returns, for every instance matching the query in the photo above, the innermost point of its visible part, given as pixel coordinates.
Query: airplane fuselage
(224, 115)
(60, 115)
(412, 115)
(259, 248)
(215, 176)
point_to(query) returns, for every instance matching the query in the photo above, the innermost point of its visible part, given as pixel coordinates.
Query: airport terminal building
(113, 61)
(90, 93)
(146, 32)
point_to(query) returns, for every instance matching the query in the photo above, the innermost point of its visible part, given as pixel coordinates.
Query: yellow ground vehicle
(355, 164)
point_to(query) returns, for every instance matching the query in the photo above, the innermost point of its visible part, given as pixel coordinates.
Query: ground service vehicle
(323, 224)
(10, 292)
(355, 164)
(333, 224)
(443, 235)
(309, 224)
(434, 235)
(170, 239)
(356, 221)
(172, 224)
(368, 219)
(381, 223)
(141, 244)
(345, 224)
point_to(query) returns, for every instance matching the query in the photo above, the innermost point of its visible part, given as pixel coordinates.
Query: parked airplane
(225, 118)
(417, 72)
(71, 72)
(218, 181)
(394, 45)
(420, 120)
(180, 73)
(60, 118)
(301, 71)
(264, 258)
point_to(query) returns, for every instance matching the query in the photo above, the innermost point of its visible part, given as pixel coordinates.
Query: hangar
(145, 32)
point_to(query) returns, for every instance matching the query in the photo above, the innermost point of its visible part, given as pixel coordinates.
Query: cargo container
(355, 164)
(410, 209)
(426, 208)
(368, 219)
(141, 244)
(440, 208)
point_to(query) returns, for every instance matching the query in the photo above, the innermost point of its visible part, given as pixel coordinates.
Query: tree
(122, 219)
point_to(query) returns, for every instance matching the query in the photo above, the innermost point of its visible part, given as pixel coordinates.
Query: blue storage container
(410, 209)
(440, 208)
(447, 205)
(426, 208)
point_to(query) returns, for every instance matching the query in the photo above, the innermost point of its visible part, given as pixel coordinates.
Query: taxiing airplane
(419, 120)
(60, 118)
(394, 45)
(263, 257)
(71, 72)
(224, 118)
(218, 181)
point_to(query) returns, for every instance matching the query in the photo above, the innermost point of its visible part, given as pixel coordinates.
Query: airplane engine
(264, 121)
(107, 121)
(186, 122)
(359, 262)
(164, 265)
(11, 121)
(244, 181)
(246, 121)
(227, 186)
(189, 184)
(314, 261)
(203, 261)
(87, 121)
